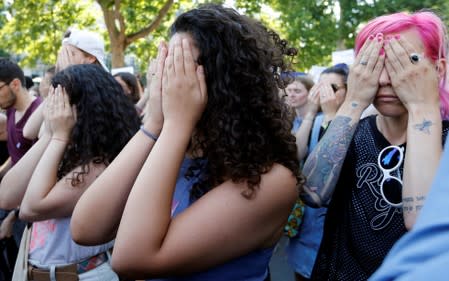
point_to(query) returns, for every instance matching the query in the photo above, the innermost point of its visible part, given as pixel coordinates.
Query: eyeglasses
(335, 87)
(389, 160)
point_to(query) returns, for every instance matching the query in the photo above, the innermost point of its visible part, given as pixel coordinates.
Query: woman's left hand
(61, 116)
(414, 82)
(184, 91)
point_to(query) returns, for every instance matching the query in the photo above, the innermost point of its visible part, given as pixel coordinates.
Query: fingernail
(371, 37)
(379, 35)
(382, 52)
(397, 36)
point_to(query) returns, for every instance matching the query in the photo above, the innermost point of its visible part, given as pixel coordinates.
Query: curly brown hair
(106, 118)
(244, 129)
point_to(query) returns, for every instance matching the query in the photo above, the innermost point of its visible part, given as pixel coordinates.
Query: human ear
(441, 68)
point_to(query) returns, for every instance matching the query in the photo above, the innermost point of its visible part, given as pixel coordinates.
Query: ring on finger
(363, 62)
(415, 58)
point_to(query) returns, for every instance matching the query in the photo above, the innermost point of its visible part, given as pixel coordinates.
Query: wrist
(351, 108)
(423, 109)
(182, 130)
(152, 126)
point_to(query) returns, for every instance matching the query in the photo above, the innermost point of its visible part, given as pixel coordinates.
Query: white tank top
(52, 244)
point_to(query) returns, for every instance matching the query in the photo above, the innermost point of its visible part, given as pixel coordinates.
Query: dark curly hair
(133, 84)
(244, 129)
(106, 118)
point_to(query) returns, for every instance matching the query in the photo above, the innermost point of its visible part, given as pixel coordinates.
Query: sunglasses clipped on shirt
(389, 160)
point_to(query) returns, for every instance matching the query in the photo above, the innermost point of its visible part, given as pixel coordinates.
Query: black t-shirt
(360, 227)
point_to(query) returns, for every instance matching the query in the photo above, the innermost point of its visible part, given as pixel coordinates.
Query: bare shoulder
(280, 183)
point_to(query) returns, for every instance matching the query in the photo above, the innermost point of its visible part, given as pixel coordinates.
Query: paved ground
(279, 268)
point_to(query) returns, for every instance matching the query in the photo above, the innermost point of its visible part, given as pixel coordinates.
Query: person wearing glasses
(19, 105)
(374, 173)
(87, 121)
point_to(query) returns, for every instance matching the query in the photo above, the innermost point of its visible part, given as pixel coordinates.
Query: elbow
(27, 134)
(30, 214)
(121, 267)
(83, 234)
(78, 234)
(311, 199)
(26, 214)
(86, 232)
(128, 268)
(136, 265)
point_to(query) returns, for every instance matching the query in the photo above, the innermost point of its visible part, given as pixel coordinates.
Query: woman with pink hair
(374, 174)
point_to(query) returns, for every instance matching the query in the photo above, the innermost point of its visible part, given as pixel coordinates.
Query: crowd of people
(198, 174)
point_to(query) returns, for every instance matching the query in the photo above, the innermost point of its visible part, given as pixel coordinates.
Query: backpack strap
(315, 134)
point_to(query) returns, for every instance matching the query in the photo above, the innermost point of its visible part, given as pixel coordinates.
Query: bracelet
(148, 134)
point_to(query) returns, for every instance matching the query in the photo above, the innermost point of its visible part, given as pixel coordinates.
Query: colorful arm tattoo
(323, 166)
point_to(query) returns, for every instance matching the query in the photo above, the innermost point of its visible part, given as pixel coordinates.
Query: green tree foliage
(33, 29)
(317, 28)
(137, 24)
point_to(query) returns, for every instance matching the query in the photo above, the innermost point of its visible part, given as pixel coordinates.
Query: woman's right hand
(60, 116)
(313, 102)
(328, 102)
(64, 59)
(363, 79)
(184, 86)
(154, 118)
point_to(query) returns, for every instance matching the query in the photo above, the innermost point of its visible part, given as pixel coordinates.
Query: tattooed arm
(417, 86)
(424, 149)
(323, 166)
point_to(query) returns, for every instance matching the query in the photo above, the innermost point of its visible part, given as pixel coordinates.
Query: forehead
(331, 78)
(184, 35)
(295, 84)
(413, 38)
(74, 50)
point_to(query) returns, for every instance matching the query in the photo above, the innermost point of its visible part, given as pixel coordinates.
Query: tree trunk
(118, 53)
(117, 34)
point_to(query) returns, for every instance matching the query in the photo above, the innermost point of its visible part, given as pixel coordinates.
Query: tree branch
(109, 19)
(119, 16)
(152, 26)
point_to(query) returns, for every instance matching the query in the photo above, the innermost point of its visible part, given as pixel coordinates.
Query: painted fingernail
(382, 52)
(379, 35)
(371, 37)
(397, 36)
